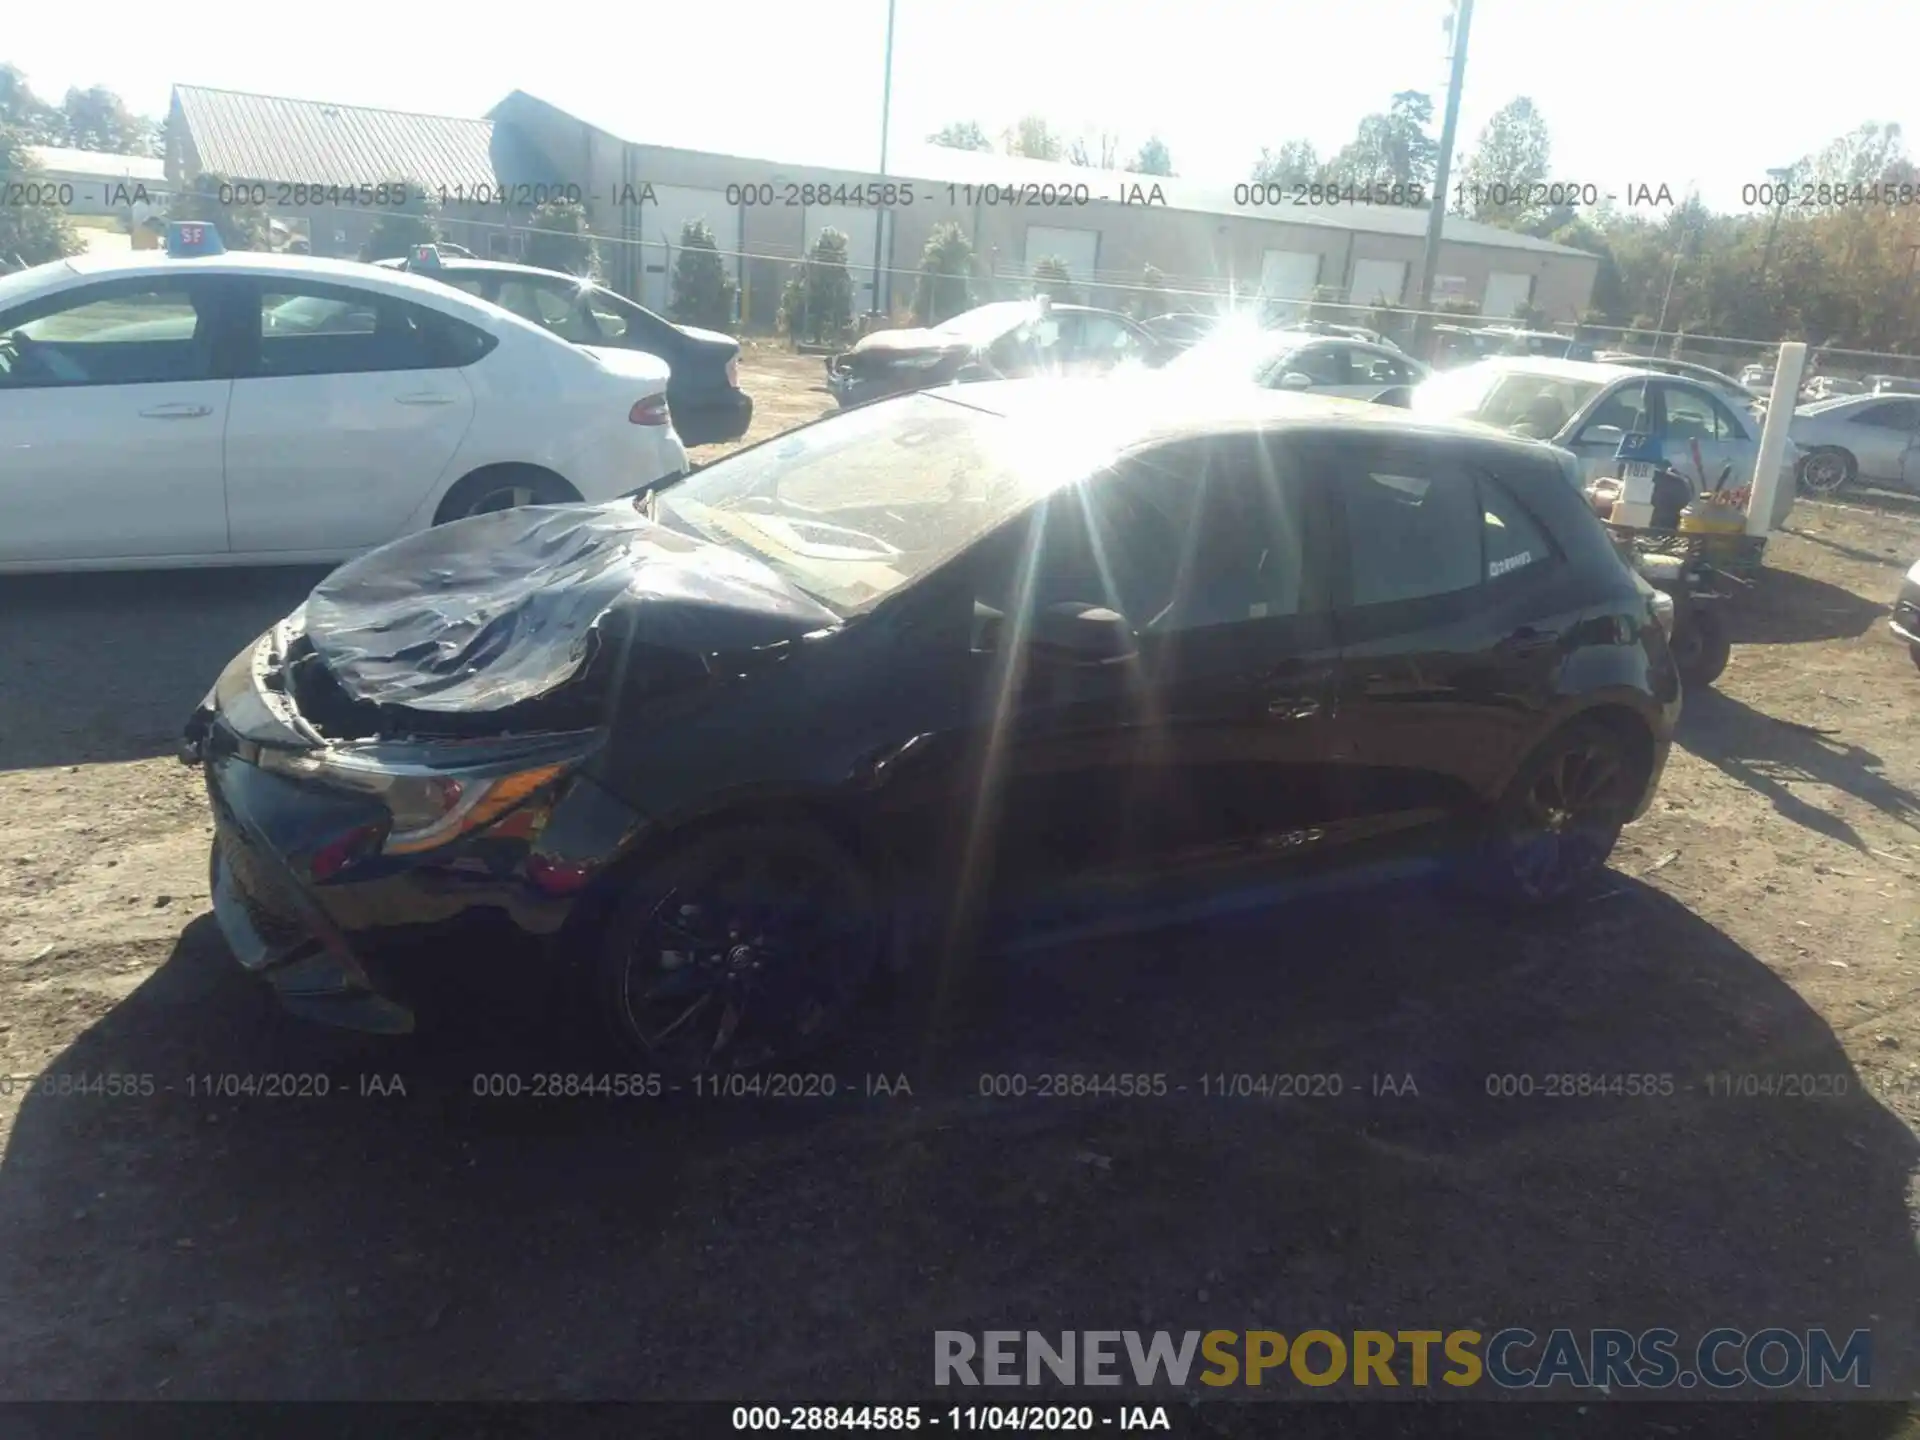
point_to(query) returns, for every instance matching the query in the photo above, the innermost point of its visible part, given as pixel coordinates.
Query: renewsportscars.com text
(1513, 1358)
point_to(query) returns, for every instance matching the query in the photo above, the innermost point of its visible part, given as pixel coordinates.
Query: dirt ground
(441, 1244)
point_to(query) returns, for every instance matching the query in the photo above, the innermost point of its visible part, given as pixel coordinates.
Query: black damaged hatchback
(1006, 654)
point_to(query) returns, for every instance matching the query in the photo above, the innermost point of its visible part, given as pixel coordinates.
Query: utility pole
(880, 223)
(1462, 22)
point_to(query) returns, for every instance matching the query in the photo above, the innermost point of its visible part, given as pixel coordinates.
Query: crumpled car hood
(497, 609)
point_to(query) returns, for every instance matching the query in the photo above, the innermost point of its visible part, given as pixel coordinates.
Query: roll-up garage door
(1379, 282)
(1078, 250)
(1507, 294)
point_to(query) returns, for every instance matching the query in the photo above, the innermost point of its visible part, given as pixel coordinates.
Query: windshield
(855, 507)
(1507, 398)
(979, 325)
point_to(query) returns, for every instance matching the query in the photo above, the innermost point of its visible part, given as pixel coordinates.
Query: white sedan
(197, 408)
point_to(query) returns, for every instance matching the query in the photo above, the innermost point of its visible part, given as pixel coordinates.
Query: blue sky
(1707, 92)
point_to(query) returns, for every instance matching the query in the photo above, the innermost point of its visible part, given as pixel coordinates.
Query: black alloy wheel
(749, 947)
(1561, 816)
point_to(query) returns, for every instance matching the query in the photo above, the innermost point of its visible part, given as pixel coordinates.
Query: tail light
(733, 372)
(650, 411)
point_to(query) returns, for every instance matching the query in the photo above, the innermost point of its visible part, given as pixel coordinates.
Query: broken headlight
(429, 808)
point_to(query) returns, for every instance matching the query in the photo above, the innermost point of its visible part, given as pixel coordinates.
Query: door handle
(424, 397)
(176, 412)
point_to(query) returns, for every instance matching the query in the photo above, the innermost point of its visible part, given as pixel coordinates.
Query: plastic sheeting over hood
(497, 609)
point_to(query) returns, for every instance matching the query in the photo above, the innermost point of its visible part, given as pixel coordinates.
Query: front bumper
(320, 931)
(277, 928)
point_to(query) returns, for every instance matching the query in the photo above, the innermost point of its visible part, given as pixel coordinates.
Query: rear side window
(336, 330)
(1413, 530)
(1511, 540)
(453, 343)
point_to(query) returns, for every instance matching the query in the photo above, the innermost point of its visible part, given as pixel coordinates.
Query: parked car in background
(1350, 332)
(1234, 634)
(1296, 360)
(1757, 378)
(1874, 438)
(190, 407)
(1589, 408)
(1892, 385)
(1005, 340)
(1177, 331)
(1725, 386)
(1830, 387)
(703, 388)
(1510, 340)
(1451, 346)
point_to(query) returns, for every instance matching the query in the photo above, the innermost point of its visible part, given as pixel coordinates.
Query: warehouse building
(1106, 227)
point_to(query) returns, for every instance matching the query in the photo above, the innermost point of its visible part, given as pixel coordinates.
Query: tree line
(1834, 264)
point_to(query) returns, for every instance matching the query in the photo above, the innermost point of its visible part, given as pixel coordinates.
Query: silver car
(1298, 360)
(1725, 386)
(1875, 438)
(1589, 408)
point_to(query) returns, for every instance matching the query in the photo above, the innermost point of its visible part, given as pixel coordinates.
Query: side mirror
(1400, 396)
(1073, 632)
(1603, 435)
(1088, 634)
(1295, 380)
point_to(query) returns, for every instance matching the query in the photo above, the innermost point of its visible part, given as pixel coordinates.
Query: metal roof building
(275, 139)
(1106, 227)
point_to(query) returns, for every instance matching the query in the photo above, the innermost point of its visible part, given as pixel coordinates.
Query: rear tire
(749, 945)
(1827, 471)
(1550, 836)
(503, 487)
(1700, 646)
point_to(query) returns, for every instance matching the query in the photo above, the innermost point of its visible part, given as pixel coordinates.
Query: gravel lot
(439, 1245)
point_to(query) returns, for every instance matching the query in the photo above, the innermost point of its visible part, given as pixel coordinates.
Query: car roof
(457, 262)
(1145, 412)
(1591, 372)
(136, 264)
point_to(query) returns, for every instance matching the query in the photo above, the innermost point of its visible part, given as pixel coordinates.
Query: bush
(703, 291)
(945, 287)
(560, 238)
(1050, 278)
(241, 227)
(1154, 298)
(414, 221)
(816, 303)
(34, 234)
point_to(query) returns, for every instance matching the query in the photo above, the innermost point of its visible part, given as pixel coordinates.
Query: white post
(1773, 436)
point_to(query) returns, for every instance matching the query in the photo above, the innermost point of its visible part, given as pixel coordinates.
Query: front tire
(1551, 834)
(1827, 471)
(1700, 646)
(750, 945)
(1913, 654)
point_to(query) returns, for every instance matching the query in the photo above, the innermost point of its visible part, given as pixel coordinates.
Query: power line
(1191, 288)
